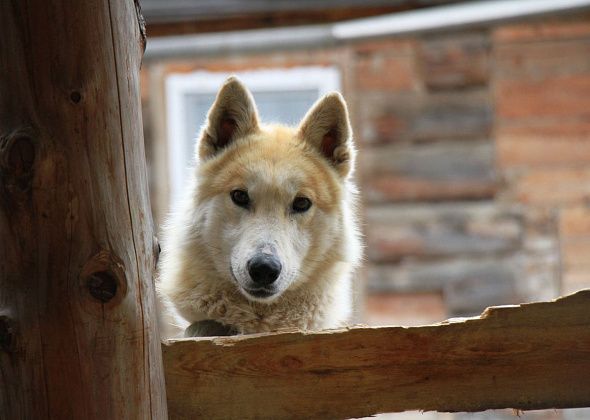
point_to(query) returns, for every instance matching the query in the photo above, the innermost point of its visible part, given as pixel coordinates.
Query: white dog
(266, 237)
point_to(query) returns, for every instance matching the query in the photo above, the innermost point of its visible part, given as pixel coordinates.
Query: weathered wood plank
(265, 19)
(397, 231)
(532, 356)
(190, 17)
(432, 172)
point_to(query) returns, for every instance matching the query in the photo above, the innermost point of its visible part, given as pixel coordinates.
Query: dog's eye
(240, 198)
(301, 204)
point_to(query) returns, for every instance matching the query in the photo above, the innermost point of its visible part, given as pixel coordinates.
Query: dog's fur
(209, 240)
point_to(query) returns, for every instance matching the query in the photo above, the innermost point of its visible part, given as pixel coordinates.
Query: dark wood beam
(184, 20)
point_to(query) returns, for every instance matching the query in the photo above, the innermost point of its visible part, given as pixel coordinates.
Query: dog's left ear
(326, 127)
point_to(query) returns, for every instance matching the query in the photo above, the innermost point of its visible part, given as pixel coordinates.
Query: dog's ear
(232, 115)
(326, 127)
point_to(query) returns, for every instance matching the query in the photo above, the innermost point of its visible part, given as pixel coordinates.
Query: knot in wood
(6, 334)
(17, 157)
(75, 97)
(291, 362)
(102, 286)
(103, 281)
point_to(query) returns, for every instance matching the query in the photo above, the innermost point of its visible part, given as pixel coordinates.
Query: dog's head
(270, 198)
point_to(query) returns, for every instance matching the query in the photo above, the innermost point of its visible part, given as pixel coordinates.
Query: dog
(266, 237)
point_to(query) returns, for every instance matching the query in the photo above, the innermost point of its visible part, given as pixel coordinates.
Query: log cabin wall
(473, 164)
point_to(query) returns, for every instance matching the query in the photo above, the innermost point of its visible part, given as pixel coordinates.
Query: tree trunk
(78, 335)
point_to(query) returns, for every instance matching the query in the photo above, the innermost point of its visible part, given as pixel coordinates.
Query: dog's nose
(264, 269)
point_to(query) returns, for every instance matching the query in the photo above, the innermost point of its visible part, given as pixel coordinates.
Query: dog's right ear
(232, 115)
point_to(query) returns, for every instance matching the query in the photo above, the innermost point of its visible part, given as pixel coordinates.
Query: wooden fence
(532, 356)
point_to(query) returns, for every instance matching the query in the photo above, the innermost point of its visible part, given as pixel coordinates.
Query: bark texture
(78, 330)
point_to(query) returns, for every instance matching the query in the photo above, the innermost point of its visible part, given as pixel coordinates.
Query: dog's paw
(209, 328)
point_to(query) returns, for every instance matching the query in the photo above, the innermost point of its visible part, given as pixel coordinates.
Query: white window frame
(324, 79)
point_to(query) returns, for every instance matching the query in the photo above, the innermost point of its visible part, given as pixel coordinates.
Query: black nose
(264, 269)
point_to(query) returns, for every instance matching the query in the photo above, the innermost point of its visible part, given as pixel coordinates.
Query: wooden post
(78, 335)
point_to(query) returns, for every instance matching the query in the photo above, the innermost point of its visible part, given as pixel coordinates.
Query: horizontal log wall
(532, 356)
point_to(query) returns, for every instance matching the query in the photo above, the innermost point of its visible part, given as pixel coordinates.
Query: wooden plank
(441, 171)
(397, 231)
(176, 18)
(273, 19)
(532, 356)
(207, 9)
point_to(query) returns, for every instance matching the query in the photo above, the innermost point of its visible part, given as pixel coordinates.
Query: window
(282, 96)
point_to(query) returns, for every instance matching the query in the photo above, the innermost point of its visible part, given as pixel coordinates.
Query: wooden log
(532, 356)
(78, 331)
(201, 23)
(183, 18)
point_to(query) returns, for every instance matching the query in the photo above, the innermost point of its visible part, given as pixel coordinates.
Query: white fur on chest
(326, 304)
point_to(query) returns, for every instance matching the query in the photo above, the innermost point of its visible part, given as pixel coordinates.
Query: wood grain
(78, 335)
(200, 23)
(181, 17)
(532, 356)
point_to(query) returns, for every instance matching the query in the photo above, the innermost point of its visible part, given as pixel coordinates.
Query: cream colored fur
(208, 240)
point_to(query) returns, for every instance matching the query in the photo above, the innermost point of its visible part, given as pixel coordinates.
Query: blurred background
(472, 120)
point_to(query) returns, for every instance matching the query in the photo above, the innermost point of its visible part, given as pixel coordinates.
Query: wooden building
(474, 145)
(475, 173)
